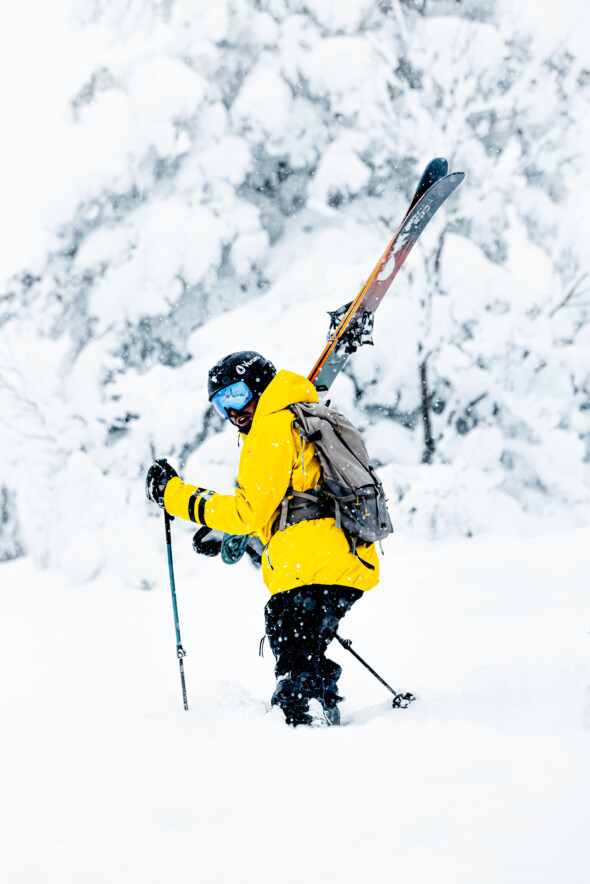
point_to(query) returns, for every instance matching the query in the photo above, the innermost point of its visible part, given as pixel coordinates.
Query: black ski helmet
(246, 365)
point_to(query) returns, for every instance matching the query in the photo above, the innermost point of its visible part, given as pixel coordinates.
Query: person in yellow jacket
(313, 576)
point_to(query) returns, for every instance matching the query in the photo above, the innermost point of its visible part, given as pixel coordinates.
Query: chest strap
(298, 506)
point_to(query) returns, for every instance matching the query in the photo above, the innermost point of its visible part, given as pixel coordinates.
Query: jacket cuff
(186, 501)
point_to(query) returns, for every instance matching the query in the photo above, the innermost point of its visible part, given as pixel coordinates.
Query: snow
(26, 179)
(340, 173)
(264, 103)
(342, 70)
(183, 179)
(340, 17)
(571, 27)
(485, 778)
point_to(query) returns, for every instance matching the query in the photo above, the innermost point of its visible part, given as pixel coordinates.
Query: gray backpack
(350, 492)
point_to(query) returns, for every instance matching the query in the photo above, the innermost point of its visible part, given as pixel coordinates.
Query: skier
(309, 567)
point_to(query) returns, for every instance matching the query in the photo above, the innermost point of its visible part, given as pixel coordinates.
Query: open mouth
(242, 420)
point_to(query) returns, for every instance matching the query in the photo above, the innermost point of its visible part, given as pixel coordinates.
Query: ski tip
(450, 182)
(436, 168)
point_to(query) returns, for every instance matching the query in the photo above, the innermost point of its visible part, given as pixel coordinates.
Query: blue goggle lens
(235, 396)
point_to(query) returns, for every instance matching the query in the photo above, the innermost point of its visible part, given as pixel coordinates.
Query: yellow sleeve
(186, 501)
(266, 465)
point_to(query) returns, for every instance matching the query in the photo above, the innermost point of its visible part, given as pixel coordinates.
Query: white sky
(43, 62)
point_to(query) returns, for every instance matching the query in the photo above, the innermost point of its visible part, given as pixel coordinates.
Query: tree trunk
(429, 446)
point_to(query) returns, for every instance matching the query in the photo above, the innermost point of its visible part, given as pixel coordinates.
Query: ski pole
(400, 701)
(180, 652)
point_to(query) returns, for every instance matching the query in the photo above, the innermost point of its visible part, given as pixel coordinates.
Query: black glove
(235, 545)
(158, 476)
(207, 542)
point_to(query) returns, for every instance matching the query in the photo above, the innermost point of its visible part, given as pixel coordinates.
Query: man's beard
(245, 429)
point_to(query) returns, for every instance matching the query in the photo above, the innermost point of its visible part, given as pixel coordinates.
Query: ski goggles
(235, 396)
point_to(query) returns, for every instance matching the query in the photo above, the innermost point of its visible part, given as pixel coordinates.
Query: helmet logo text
(244, 366)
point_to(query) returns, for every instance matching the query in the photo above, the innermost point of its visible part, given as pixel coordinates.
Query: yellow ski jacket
(274, 460)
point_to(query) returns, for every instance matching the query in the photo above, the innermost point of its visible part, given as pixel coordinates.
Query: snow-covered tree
(233, 170)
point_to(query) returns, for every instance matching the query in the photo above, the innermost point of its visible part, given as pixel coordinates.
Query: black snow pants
(300, 624)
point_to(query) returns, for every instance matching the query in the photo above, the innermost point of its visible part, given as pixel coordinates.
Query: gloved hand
(158, 476)
(235, 545)
(207, 542)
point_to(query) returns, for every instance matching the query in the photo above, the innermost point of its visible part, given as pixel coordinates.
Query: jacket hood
(285, 389)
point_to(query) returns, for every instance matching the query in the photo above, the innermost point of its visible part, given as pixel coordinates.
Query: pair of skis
(351, 326)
